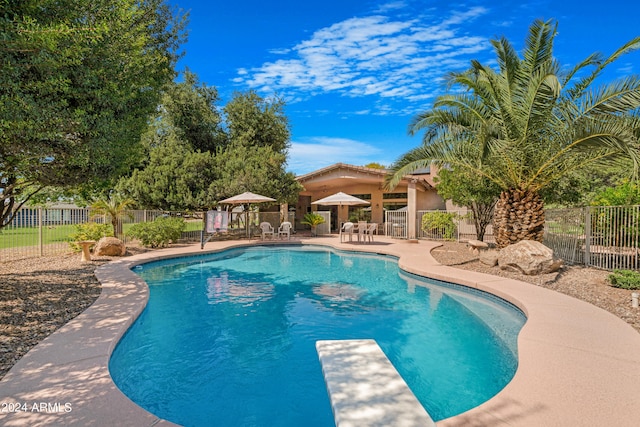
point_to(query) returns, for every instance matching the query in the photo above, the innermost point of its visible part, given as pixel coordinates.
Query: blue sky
(354, 72)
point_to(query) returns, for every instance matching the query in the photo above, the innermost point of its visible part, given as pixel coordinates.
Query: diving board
(365, 389)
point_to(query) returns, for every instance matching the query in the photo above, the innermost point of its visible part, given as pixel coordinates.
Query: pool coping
(578, 364)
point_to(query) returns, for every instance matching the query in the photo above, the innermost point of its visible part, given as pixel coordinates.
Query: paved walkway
(578, 365)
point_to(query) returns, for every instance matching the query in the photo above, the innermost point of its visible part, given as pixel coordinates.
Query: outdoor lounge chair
(284, 230)
(267, 229)
(346, 230)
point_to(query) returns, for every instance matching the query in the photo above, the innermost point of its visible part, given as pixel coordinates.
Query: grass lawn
(28, 236)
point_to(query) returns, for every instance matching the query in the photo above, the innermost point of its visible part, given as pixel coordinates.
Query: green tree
(190, 107)
(624, 194)
(79, 79)
(182, 172)
(476, 193)
(175, 177)
(527, 124)
(254, 122)
(375, 165)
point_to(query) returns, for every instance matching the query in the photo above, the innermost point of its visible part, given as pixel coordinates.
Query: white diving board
(365, 389)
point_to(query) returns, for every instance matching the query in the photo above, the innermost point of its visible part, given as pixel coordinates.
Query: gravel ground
(587, 284)
(39, 295)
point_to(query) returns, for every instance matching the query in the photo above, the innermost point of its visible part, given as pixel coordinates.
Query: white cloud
(319, 152)
(372, 56)
(393, 5)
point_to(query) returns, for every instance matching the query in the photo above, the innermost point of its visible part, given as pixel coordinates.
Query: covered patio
(415, 192)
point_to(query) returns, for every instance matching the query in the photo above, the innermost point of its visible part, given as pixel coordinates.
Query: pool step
(365, 389)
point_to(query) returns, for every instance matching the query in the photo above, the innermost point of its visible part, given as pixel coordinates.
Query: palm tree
(312, 219)
(115, 208)
(526, 125)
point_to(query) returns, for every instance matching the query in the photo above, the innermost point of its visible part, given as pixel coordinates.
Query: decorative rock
(110, 246)
(489, 258)
(476, 245)
(528, 257)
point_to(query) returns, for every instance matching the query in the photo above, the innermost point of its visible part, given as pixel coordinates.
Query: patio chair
(370, 230)
(346, 230)
(267, 229)
(284, 230)
(362, 230)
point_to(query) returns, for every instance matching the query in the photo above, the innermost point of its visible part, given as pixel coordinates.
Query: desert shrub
(625, 279)
(89, 231)
(440, 225)
(159, 233)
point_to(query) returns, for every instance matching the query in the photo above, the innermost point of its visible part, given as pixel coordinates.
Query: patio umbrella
(340, 199)
(247, 198)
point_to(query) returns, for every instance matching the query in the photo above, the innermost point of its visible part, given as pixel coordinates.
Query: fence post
(40, 239)
(587, 236)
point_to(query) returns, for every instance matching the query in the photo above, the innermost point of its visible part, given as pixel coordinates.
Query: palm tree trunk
(519, 216)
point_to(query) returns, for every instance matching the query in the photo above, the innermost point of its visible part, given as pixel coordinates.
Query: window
(387, 196)
(362, 196)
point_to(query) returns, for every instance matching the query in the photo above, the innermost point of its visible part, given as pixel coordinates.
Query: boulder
(110, 246)
(489, 258)
(528, 257)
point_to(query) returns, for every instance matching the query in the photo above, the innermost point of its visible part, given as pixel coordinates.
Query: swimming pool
(229, 338)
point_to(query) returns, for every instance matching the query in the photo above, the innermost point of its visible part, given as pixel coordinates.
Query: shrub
(159, 233)
(625, 279)
(312, 219)
(89, 231)
(440, 225)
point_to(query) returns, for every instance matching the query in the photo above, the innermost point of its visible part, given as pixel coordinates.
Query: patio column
(411, 209)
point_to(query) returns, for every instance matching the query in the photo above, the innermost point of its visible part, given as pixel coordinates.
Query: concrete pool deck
(578, 365)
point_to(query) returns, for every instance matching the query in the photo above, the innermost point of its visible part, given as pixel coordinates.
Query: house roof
(342, 174)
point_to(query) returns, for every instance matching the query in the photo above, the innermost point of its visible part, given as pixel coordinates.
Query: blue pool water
(228, 339)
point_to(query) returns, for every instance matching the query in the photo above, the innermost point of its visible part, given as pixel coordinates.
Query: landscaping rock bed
(587, 284)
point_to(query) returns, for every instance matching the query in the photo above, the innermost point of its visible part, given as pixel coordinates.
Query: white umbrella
(248, 198)
(340, 199)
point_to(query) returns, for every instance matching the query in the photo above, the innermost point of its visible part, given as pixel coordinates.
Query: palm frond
(538, 45)
(616, 97)
(583, 84)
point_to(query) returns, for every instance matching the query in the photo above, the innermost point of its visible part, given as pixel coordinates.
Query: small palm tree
(526, 125)
(313, 219)
(115, 208)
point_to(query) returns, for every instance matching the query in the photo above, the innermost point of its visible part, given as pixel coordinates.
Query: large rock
(528, 257)
(489, 258)
(110, 246)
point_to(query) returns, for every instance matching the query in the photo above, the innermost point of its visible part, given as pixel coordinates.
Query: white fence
(395, 223)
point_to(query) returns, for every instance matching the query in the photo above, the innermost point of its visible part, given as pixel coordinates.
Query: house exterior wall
(358, 181)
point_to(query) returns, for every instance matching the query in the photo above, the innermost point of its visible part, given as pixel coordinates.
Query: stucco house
(415, 192)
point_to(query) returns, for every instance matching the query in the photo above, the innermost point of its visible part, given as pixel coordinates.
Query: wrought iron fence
(603, 237)
(606, 237)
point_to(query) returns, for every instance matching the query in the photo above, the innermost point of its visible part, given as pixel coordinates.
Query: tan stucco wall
(358, 180)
